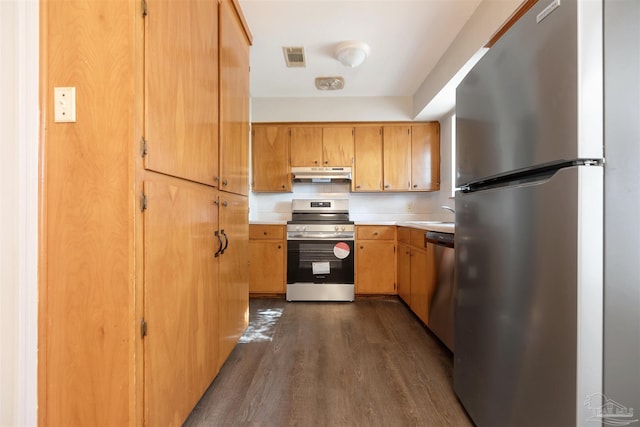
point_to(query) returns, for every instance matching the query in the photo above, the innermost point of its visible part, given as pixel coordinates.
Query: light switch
(65, 104)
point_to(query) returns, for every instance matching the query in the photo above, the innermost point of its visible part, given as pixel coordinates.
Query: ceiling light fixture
(352, 53)
(329, 83)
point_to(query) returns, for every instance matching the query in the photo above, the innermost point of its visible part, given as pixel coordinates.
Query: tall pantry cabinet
(143, 271)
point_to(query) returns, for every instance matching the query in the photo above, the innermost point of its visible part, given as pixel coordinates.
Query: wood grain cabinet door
(397, 158)
(306, 146)
(234, 102)
(180, 292)
(181, 126)
(367, 166)
(337, 146)
(404, 272)
(270, 158)
(419, 284)
(266, 266)
(233, 293)
(375, 267)
(425, 157)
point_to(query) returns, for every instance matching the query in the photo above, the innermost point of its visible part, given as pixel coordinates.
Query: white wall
(18, 215)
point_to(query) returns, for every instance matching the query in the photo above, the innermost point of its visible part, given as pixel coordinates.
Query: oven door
(320, 261)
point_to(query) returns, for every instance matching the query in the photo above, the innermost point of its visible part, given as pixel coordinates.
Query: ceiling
(406, 37)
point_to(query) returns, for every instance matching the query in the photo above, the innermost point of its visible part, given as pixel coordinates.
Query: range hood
(321, 174)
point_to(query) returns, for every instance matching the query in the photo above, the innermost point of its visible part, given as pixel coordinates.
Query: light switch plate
(64, 99)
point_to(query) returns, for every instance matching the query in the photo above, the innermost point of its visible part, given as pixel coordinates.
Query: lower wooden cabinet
(375, 271)
(267, 259)
(415, 271)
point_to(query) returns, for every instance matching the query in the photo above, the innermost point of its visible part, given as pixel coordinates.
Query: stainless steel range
(320, 251)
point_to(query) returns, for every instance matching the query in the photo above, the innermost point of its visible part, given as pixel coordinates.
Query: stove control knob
(336, 228)
(342, 229)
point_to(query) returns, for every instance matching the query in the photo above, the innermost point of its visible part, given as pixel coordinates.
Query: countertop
(443, 227)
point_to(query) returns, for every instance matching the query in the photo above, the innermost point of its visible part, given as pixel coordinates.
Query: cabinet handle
(357, 186)
(225, 182)
(264, 232)
(326, 162)
(217, 254)
(386, 186)
(279, 246)
(375, 233)
(361, 247)
(282, 185)
(225, 204)
(315, 162)
(415, 185)
(226, 241)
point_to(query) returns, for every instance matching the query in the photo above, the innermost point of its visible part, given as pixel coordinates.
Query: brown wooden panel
(375, 267)
(397, 158)
(181, 68)
(180, 291)
(404, 234)
(419, 284)
(425, 157)
(270, 158)
(234, 102)
(233, 294)
(266, 231)
(367, 166)
(404, 272)
(337, 146)
(86, 374)
(306, 146)
(376, 232)
(417, 237)
(267, 266)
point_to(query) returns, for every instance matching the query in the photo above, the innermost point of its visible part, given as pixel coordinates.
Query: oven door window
(320, 261)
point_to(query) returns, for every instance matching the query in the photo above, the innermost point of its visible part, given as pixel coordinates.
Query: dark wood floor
(367, 363)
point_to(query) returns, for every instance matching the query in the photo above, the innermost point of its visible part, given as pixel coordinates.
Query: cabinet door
(306, 146)
(234, 102)
(180, 291)
(233, 294)
(375, 267)
(367, 167)
(404, 272)
(397, 158)
(266, 266)
(419, 285)
(270, 158)
(337, 146)
(425, 157)
(181, 93)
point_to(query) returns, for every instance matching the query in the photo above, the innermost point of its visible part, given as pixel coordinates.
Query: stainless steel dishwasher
(442, 305)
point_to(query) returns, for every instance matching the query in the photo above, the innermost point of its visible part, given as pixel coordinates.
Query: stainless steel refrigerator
(547, 323)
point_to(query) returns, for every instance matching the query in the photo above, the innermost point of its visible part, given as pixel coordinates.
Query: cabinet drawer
(375, 232)
(404, 235)
(417, 237)
(262, 232)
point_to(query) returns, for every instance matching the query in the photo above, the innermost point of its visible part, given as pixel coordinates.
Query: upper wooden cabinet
(367, 166)
(425, 157)
(181, 127)
(337, 146)
(306, 146)
(387, 156)
(234, 102)
(397, 158)
(270, 158)
(321, 146)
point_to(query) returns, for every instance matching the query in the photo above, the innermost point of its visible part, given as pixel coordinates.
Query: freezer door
(536, 96)
(528, 321)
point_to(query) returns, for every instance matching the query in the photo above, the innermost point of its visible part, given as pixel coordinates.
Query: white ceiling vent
(294, 56)
(329, 83)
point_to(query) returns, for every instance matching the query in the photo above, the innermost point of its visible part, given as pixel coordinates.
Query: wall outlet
(65, 104)
(410, 207)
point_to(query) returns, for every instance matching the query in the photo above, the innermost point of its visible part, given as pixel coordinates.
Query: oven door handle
(320, 237)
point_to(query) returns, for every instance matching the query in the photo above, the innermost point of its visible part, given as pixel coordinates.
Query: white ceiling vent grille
(294, 56)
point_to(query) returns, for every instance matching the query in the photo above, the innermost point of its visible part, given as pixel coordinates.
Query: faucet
(447, 208)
